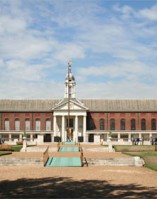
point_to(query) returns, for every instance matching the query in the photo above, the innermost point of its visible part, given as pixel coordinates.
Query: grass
(150, 158)
(134, 148)
(147, 153)
(7, 150)
(16, 148)
(5, 153)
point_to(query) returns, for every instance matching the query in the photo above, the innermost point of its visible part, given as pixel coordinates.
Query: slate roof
(96, 105)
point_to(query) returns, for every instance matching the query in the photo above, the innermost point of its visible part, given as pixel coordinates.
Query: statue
(24, 148)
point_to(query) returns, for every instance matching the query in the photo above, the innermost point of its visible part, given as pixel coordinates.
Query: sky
(112, 45)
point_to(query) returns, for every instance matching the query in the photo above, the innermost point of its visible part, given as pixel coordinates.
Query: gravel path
(77, 182)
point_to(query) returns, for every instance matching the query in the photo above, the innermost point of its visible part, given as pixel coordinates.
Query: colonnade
(79, 126)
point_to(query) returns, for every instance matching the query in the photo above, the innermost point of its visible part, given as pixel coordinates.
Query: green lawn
(16, 148)
(147, 153)
(150, 158)
(10, 148)
(5, 153)
(134, 148)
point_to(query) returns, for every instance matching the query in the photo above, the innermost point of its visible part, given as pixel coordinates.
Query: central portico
(69, 115)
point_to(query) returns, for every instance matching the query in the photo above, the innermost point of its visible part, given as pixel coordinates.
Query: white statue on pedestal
(24, 148)
(110, 147)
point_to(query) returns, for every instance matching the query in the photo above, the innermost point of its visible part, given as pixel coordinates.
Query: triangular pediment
(74, 105)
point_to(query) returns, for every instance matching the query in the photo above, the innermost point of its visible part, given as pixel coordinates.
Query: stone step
(131, 161)
(40, 149)
(20, 161)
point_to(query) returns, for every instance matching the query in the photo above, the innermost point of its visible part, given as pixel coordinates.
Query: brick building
(78, 120)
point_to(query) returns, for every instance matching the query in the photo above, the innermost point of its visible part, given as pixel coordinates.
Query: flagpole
(69, 66)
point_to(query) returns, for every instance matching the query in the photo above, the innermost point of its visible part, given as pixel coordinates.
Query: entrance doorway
(47, 138)
(91, 138)
(70, 135)
(70, 129)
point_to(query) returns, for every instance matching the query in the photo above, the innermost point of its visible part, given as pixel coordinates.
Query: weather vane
(69, 65)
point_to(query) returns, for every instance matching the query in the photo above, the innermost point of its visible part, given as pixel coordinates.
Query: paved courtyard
(77, 182)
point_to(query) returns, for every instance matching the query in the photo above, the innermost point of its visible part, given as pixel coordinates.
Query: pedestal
(110, 148)
(24, 148)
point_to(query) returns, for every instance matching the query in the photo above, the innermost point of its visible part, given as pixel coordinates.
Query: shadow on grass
(59, 187)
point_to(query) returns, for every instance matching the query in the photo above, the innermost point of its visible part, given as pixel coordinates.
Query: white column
(10, 137)
(54, 125)
(63, 129)
(20, 137)
(129, 137)
(31, 137)
(118, 136)
(76, 129)
(150, 136)
(52, 138)
(84, 128)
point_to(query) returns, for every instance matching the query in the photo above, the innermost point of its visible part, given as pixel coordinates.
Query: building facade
(78, 120)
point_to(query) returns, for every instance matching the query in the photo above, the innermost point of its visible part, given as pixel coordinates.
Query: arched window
(101, 124)
(6, 125)
(48, 125)
(27, 125)
(17, 125)
(37, 125)
(133, 124)
(153, 124)
(112, 124)
(122, 124)
(143, 124)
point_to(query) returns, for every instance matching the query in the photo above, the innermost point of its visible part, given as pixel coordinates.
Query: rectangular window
(27, 125)
(133, 124)
(122, 124)
(7, 125)
(48, 125)
(112, 124)
(17, 125)
(143, 124)
(37, 125)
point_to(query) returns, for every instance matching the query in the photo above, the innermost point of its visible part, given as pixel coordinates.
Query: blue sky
(112, 45)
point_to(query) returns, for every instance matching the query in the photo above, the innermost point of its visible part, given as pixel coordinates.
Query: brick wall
(22, 117)
(93, 119)
(96, 116)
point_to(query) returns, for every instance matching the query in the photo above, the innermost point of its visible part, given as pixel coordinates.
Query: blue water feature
(71, 143)
(64, 162)
(69, 149)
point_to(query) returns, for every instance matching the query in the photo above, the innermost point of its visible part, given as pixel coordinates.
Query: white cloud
(69, 51)
(37, 37)
(11, 25)
(117, 69)
(149, 13)
(31, 90)
(126, 10)
(19, 70)
(119, 90)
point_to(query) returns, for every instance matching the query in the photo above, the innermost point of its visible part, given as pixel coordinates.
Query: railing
(79, 144)
(46, 156)
(58, 146)
(85, 162)
(81, 157)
